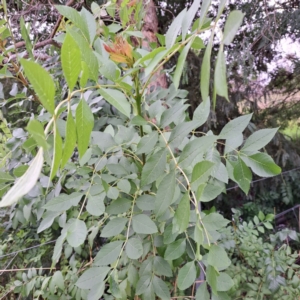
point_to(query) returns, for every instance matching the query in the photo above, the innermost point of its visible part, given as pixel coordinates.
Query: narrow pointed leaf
(182, 214)
(42, 83)
(242, 175)
(70, 141)
(74, 16)
(57, 152)
(71, 61)
(262, 164)
(220, 80)
(259, 139)
(116, 99)
(232, 25)
(154, 167)
(84, 126)
(174, 29)
(190, 15)
(205, 71)
(165, 194)
(180, 64)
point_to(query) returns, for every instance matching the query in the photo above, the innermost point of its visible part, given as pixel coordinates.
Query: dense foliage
(117, 174)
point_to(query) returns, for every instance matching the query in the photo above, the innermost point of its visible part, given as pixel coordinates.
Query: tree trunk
(149, 30)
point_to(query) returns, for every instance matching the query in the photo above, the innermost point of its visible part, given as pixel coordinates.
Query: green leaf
(134, 248)
(84, 74)
(57, 280)
(214, 221)
(205, 71)
(220, 79)
(211, 191)
(165, 194)
(197, 43)
(262, 164)
(87, 54)
(202, 292)
(143, 224)
(174, 29)
(89, 19)
(26, 182)
(138, 120)
(147, 143)
(114, 227)
(242, 175)
(211, 277)
(161, 289)
(169, 235)
(235, 126)
(76, 233)
(74, 16)
(142, 284)
(70, 141)
(175, 250)
(119, 206)
(224, 282)
(95, 205)
(57, 153)
(218, 258)
(36, 129)
(180, 64)
(145, 202)
(182, 214)
(108, 253)
(186, 276)
(96, 291)
(116, 99)
(201, 173)
(172, 114)
(154, 62)
(259, 139)
(202, 112)
(70, 61)
(194, 149)
(42, 83)
(154, 167)
(204, 9)
(233, 142)
(92, 277)
(161, 267)
(190, 15)
(181, 131)
(63, 202)
(232, 25)
(25, 36)
(19, 171)
(84, 126)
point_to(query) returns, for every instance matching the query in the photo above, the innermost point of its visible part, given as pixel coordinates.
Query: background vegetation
(99, 201)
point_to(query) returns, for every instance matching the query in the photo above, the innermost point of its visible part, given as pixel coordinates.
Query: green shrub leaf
(84, 126)
(42, 83)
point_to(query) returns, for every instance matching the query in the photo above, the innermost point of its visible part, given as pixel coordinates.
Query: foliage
(262, 269)
(118, 172)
